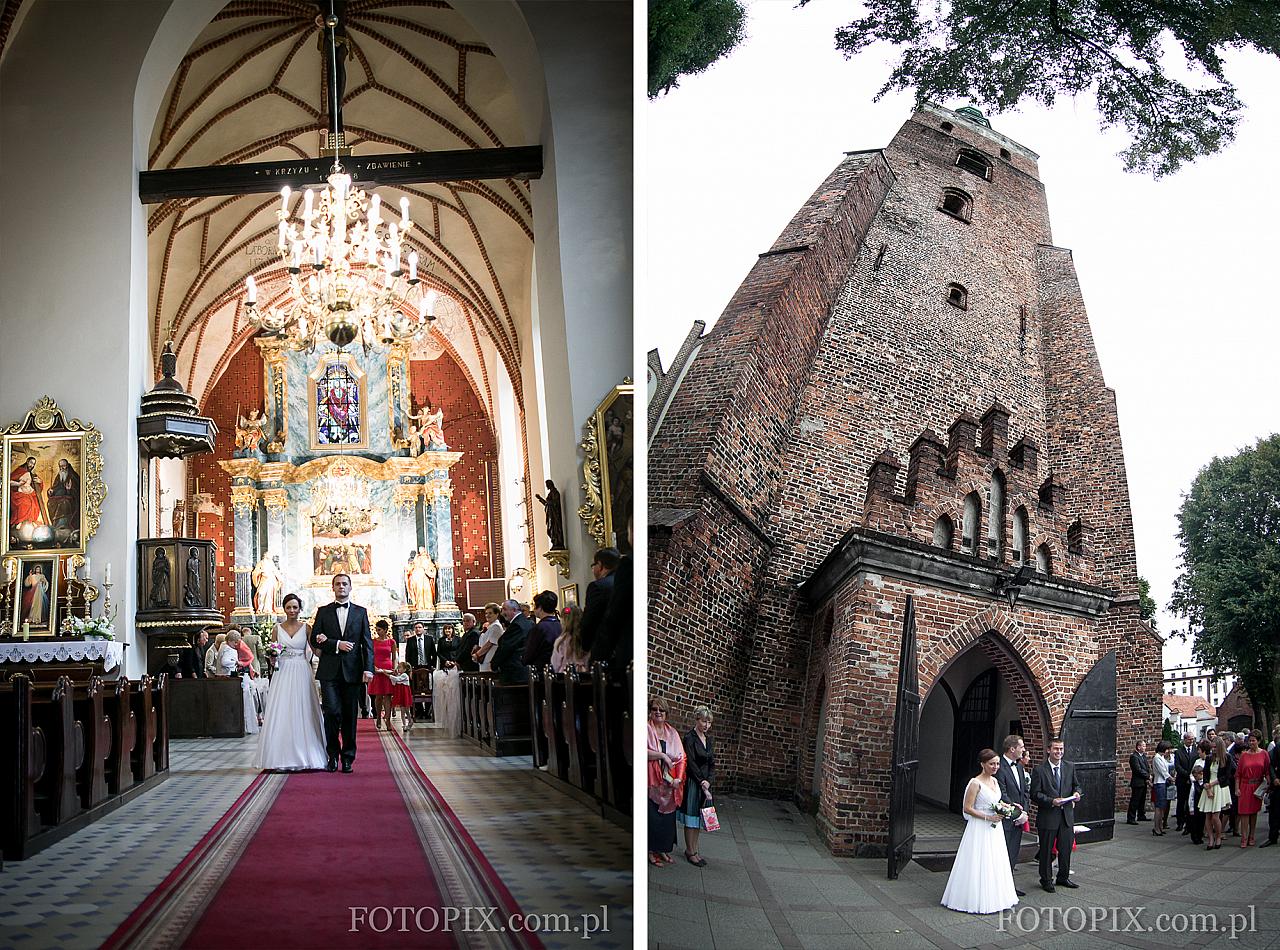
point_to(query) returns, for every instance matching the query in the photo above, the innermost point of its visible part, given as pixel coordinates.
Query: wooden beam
(396, 168)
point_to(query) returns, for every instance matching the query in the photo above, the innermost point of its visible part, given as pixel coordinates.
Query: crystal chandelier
(349, 276)
(341, 504)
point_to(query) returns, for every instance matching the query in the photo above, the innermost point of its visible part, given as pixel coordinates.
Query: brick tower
(902, 398)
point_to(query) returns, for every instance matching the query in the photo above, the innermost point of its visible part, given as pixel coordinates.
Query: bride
(981, 880)
(293, 730)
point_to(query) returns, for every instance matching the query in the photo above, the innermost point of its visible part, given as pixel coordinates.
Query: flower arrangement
(93, 628)
(1007, 810)
(273, 650)
(264, 628)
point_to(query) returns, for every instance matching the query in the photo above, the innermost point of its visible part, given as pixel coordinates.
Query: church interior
(352, 299)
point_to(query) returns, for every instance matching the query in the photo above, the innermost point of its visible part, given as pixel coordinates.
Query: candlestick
(106, 597)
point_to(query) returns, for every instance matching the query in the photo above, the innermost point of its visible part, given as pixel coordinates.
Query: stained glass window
(337, 407)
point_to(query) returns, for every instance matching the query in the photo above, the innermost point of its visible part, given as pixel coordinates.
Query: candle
(284, 198)
(86, 567)
(26, 629)
(251, 289)
(413, 265)
(404, 212)
(107, 577)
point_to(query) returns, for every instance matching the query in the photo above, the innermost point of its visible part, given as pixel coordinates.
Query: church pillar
(276, 409)
(438, 501)
(398, 393)
(244, 500)
(276, 502)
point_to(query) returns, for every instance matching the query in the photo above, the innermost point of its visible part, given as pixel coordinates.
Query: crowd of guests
(1215, 787)
(680, 772)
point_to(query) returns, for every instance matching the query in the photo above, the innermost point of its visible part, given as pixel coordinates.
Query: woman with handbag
(699, 771)
(666, 783)
(1219, 776)
(1253, 772)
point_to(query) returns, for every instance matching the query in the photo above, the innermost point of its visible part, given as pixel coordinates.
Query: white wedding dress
(446, 702)
(292, 735)
(981, 880)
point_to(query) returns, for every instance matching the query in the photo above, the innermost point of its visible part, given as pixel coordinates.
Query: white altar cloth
(110, 652)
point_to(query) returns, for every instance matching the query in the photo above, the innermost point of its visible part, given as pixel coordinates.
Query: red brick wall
(240, 385)
(467, 430)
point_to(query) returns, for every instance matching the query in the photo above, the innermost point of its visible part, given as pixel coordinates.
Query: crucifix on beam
(395, 168)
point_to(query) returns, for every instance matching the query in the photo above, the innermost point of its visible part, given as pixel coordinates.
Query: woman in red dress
(384, 664)
(1253, 768)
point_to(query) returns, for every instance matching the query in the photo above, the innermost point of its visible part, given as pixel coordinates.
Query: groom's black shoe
(1048, 887)
(1020, 893)
(1071, 884)
(332, 764)
(346, 767)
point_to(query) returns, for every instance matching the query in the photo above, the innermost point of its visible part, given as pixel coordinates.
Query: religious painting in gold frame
(607, 469)
(569, 596)
(338, 404)
(53, 500)
(36, 597)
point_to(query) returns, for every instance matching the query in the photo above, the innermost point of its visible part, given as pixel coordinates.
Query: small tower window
(1044, 564)
(975, 163)
(995, 516)
(972, 518)
(956, 203)
(1075, 537)
(943, 532)
(1004, 153)
(1020, 532)
(947, 126)
(957, 296)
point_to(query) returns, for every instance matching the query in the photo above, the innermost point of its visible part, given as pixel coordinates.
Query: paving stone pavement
(554, 856)
(770, 883)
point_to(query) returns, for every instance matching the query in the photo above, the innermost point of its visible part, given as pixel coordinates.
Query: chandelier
(349, 276)
(341, 504)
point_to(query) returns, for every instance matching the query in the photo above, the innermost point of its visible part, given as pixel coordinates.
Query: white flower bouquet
(93, 628)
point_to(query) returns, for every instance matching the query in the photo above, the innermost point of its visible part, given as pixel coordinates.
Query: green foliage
(1229, 588)
(1169, 734)
(687, 36)
(1146, 603)
(998, 53)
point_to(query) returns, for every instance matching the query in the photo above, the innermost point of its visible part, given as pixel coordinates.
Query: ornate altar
(346, 477)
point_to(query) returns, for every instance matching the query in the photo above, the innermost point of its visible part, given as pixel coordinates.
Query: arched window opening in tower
(975, 163)
(972, 518)
(947, 126)
(943, 533)
(1021, 532)
(957, 204)
(957, 296)
(1044, 563)
(995, 521)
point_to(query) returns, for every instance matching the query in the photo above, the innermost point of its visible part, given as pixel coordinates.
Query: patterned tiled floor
(552, 854)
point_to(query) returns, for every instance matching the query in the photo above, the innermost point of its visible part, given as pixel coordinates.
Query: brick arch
(1021, 664)
(1057, 557)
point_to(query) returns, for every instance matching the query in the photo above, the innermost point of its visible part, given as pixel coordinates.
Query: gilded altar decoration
(249, 431)
(607, 473)
(426, 429)
(54, 499)
(353, 559)
(341, 503)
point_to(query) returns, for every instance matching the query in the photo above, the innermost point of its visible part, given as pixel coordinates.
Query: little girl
(402, 695)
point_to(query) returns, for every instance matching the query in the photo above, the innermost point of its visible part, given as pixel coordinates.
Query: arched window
(975, 163)
(956, 203)
(972, 521)
(1044, 563)
(1004, 153)
(995, 517)
(957, 296)
(943, 533)
(1021, 532)
(947, 126)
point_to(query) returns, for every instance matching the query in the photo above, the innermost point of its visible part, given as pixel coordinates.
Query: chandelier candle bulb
(413, 267)
(404, 213)
(250, 290)
(284, 199)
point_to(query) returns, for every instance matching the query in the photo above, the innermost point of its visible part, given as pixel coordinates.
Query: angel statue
(249, 434)
(426, 429)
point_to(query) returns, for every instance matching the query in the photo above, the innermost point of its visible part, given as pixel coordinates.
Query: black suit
(447, 650)
(1273, 798)
(427, 656)
(593, 611)
(1183, 759)
(1055, 823)
(507, 654)
(1015, 787)
(470, 640)
(191, 662)
(613, 643)
(1139, 776)
(341, 674)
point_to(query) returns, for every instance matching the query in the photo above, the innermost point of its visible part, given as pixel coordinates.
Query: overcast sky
(1179, 275)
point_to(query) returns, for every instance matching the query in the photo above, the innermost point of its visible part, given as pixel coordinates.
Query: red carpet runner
(296, 853)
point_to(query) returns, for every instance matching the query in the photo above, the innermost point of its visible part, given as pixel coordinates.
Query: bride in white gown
(292, 735)
(981, 880)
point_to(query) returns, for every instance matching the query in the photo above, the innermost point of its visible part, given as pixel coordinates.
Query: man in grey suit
(1056, 791)
(1015, 788)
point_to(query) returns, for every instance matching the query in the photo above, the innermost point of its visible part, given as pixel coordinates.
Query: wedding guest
(1160, 766)
(700, 770)
(244, 656)
(537, 649)
(568, 649)
(212, 659)
(1275, 737)
(384, 664)
(1253, 771)
(1183, 759)
(1189, 806)
(599, 591)
(507, 657)
(419, 648)
(467, 644)
(253, 642)
(488, 642)
(191, 661)
(1220, 773)
(1273, 799)
(447, 648)
(1139, 776)
(665, 783)
(1235, 745)
(402, 695)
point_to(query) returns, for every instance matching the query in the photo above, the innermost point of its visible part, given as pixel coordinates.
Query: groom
(1015, 788)
(1056, 791)
(340, 635)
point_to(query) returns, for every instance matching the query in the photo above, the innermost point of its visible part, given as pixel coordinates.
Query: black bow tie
(343, 606)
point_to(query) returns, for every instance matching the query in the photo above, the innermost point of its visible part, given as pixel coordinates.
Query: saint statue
(160, 579)
(555, 516)
(421, 575)
(426, 429)
(180, 518)
(249, 434)
(191, 596)
(266, 586)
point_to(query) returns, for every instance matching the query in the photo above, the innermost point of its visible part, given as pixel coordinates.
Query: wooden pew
(575, 725)
(160, 702)
(142, 761)
(597, 737)
(91, 777)
(553, 724)
(22, 751)
(54, 712)
(537, 710)
(124, 736)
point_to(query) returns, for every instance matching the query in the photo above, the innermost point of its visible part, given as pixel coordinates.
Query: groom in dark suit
(1056, 791)
(340, 635)
(1015, 788)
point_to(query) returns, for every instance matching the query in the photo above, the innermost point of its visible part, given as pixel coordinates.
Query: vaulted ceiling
(252, 89)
